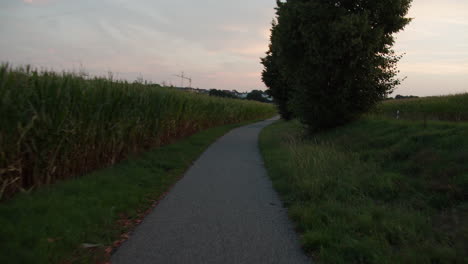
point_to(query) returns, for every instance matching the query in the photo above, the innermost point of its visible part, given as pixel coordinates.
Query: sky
(218, 43)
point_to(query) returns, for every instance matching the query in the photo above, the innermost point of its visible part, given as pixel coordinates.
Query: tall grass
(56, 126)
(374, 191)
(443, 108)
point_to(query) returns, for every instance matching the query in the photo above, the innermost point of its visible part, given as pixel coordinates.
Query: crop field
(51, 224)
(57, 126)
(443, 108)
(378, 190)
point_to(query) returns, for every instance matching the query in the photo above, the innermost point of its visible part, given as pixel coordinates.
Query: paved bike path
(224, 210)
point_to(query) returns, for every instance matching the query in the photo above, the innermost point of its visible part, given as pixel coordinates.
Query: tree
(256, 95)
(277, 87)
(274, 74)
(334, 57)
(221, 93)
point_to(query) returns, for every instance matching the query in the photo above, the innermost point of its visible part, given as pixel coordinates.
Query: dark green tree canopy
(330, 61)
(256, 95)
(221, 93)
(277, 85)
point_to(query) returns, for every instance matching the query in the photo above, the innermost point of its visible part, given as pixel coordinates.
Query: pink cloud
(234, 28)
(252, 50)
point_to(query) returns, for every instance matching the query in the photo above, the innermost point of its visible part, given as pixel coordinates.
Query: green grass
(442, 108)
(56, 126)
(50, 224)
(374, 191)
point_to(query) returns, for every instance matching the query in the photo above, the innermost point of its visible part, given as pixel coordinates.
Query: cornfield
(56, 126)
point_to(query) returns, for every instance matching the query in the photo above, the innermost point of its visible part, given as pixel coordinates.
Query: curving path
(224, 210)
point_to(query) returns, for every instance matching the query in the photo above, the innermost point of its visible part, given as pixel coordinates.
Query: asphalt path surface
(224, 210)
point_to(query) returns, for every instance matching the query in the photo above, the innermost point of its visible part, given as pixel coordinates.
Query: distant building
(240, 95)
(267, 97)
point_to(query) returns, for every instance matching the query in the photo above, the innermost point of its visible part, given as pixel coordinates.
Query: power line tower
(182, 78)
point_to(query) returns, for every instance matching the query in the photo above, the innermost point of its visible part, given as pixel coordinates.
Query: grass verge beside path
(51, 224)
(375, 191)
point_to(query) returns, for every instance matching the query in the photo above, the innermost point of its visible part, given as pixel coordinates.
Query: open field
(57, 126)
(442, 108)
(375, 191)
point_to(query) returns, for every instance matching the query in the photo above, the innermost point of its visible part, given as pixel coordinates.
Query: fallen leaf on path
(89, 245)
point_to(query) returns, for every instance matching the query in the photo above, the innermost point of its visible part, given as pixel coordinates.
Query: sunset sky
(216, 42)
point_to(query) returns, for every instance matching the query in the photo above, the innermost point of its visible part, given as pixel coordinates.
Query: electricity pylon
(182, 78)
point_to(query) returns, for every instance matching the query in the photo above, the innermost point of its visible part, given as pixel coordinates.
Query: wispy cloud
(37, 2)
(234, 28)
(435, 47)
(439, 69)
(217, 42)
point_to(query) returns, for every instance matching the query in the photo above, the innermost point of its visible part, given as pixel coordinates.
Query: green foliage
(333, 58)
(277, 86)
(50, 225)
(221, 93)
(58, 126)
(374, 191)
(399, 97)
(256, 95)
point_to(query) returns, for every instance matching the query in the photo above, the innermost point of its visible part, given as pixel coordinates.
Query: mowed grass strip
(51, 225)
(57, 126)
(375, 191)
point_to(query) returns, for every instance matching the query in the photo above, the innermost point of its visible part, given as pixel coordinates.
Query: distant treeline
(398, 97)
(255, 95)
